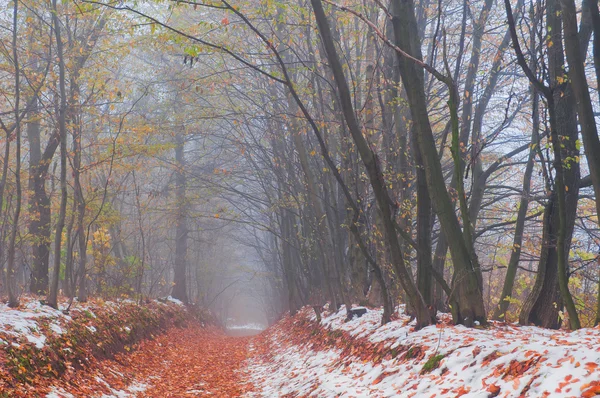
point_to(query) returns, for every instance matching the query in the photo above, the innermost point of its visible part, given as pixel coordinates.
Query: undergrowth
(94, 334)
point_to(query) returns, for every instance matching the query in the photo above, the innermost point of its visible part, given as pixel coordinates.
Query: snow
(34, 322)
(247, 326)
(59, 393)
(129, 392)
(132, 391)
(174, 300)
(24, 321)
(558, 363)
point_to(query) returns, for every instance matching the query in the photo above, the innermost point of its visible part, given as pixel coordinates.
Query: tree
(62, 131)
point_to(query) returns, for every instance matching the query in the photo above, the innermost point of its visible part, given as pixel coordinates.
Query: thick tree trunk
(540, 308)
(39, 202)
(294, 300)
(373, 170)
(424, 252)
(585, 110)
(468, 306)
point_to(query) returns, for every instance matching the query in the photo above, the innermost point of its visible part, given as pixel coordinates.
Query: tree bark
(62, 129)
(562, 124)
(373, 170)
(11, 282)
(181, 231)
(468, 306)
(515, 255)
(577, 76)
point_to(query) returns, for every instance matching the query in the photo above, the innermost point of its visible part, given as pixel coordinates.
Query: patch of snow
(128, 392)
(59, 393)
(55, 327)
(24, 321)
(248, 326)
(561, 363)
(37, 340)
(174, 300)
(137, 387)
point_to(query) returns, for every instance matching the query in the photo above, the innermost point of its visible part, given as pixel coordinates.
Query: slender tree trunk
(373, 170)
(140, 221)
(62, 128)
(515, 255)
(13, 298)
(424, 253)
(597, 320)
(68, 283)
(468, 306)
(595, 17)
(181, 230)
(82, 237)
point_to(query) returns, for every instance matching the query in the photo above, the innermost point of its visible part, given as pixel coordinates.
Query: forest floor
(299, 357)
(187, 362)
(121, 349)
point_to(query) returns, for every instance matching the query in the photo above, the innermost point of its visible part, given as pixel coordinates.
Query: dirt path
(189, 362)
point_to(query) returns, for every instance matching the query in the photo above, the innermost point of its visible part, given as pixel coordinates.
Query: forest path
(191, 362)
(188, 362)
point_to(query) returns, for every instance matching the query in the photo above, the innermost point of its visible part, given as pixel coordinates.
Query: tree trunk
(468, 306)
(62, 128)
(68, 283)
(373, 170)
(515, 255)
(563, 128)
(181, 230)
(424, 252)
(39, 224)
(11, 282)
(587, 120)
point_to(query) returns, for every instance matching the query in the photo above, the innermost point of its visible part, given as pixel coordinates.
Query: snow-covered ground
(28, 323)
(246, 326)
(501, 360)
(24, 321)
(129, 392)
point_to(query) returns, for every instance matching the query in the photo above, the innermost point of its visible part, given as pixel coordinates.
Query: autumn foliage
(91, 334)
